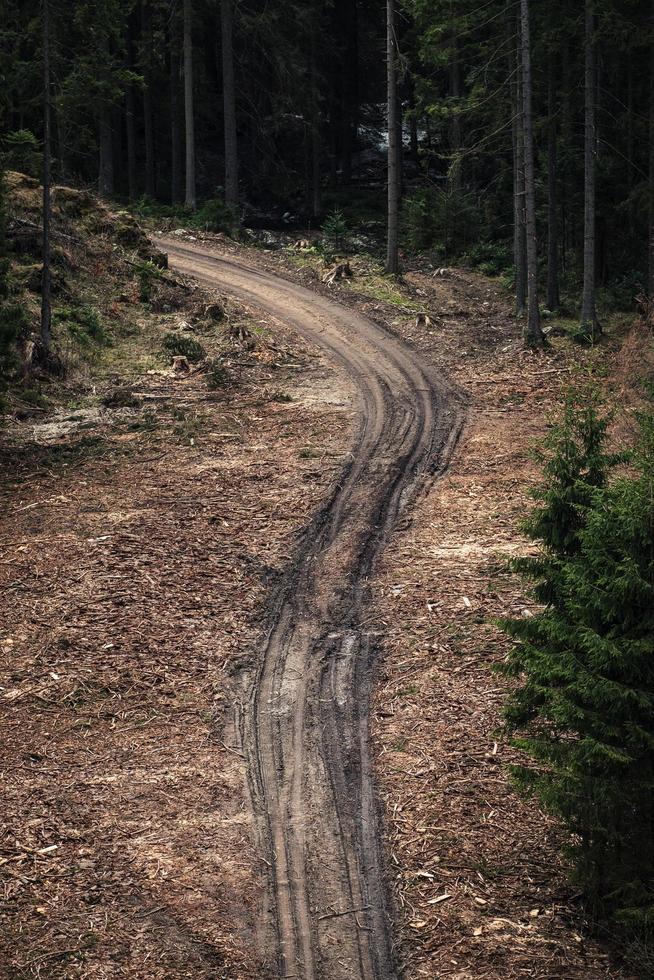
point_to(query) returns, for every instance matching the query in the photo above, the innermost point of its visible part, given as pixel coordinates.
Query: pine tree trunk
(46, 284)
(392, 255)
(229, 100)
(63, 168)
(532, 333)
(350, 89)
(176, 134)
(455, 90)
(316, 177)
(519, 229)
(650, 277)
(106, 169)
(588, 313)
(148, 124)
(552, 298)
(189, 118)
(130, 129)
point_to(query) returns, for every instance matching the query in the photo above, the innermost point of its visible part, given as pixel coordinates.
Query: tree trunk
(552, 298)
(392, 256)
(350, 107)
(519, 229)
(316, 177)
(588, 313)
(46, 286)
(455, 91)
(146, 40)
(532, 333)
(106, 169)
(229, 100)
(176, 135)
(650, 277)
(188, 105)
(130, 127)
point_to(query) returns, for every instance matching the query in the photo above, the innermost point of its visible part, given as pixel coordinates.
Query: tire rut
(305, 726)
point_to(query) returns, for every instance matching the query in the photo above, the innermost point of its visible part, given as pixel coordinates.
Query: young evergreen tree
(584, 707)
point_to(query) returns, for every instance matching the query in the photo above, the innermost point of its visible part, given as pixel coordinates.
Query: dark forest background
(277, 112)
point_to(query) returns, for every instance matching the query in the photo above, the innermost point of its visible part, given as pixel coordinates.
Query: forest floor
(479, 876)
(138, 546)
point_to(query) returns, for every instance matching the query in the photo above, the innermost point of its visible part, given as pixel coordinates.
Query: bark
(532, 333)
(552, 298)
(315, 170)
(350, 106)
(176, 134)
(519, 230)
(148, 123)
(588, 313)
(392, 256)
(189, 117)
(229, 101)
(46, 284)
(650, 277)
(455, 91)
(106, 169)
(130, 129)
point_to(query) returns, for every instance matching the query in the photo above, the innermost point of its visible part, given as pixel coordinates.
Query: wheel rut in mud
(305, 725)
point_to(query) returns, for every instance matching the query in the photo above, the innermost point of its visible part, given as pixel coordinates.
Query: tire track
(305, 730)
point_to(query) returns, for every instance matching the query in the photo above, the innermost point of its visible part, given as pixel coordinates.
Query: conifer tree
(584, 707)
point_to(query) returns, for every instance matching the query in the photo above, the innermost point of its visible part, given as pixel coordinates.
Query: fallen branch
(336, 915)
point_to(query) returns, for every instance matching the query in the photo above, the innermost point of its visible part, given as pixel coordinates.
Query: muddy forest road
(305, 725)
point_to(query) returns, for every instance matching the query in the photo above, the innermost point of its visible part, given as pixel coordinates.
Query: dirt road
(305, 728)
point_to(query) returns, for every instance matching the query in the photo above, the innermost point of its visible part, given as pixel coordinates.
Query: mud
(304, 728)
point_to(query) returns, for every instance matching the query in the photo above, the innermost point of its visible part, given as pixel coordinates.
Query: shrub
(178, 343)
(491, 258)
(440, 219)
(22, 151)
(83, 323)
(584, 707)
(214, 215)
(335, 231)
(13, 323)
(147, 273)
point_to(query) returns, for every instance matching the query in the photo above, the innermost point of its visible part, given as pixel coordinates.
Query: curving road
(305, 730)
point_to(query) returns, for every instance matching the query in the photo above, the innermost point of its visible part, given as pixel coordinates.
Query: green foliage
(491, 258)
(83, 323)
(22, 152)
(443, 220)
(214, 215)
(13, 323)
(335, 232)
(188, 347)
(584, 707)
(584, 334)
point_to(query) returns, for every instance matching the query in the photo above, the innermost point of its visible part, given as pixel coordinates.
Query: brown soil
(135, 562)
(305, 725)
(137, 575)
